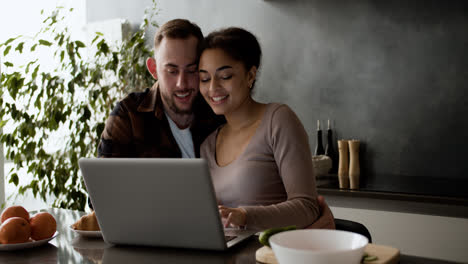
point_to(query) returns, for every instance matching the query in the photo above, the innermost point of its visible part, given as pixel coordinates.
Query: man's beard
(172, 105)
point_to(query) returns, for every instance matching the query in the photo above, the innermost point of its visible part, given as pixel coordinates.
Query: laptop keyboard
(229, 238)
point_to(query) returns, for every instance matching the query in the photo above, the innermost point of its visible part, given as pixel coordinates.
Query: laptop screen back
(154, 202)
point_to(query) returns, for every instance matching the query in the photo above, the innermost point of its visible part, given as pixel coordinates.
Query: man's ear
(151, 66)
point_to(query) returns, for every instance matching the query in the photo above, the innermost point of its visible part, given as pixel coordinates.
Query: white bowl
(318, 246)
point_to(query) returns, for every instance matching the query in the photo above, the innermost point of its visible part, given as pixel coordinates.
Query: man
(169, 120)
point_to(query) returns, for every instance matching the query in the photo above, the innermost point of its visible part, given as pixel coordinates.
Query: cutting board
(385, 255)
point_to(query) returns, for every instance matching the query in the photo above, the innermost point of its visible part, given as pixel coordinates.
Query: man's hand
(326, 219)
(232, 217)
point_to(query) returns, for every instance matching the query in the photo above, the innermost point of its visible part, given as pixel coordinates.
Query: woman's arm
(236, 217)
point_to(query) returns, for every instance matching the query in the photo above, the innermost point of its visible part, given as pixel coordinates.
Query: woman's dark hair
(238, 43)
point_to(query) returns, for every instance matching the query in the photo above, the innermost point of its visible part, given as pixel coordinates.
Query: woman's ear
(251, 75)
(151, 66)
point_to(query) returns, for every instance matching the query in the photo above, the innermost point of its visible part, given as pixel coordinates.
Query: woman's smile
(218, 99)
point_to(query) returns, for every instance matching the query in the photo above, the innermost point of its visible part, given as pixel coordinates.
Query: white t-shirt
(183, 138)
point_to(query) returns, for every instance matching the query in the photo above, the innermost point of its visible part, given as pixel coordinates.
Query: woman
(260, 159)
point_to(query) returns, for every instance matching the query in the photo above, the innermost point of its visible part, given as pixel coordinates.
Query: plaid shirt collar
(153, 102)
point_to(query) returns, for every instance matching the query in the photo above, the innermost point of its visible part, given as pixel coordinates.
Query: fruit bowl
(87, 233)
(30, 244)
(318, 246)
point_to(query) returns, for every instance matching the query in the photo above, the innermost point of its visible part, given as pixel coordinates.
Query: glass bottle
(319, 146)
(329, 150)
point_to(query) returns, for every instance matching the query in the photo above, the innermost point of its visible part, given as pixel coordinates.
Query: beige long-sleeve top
(273, 179)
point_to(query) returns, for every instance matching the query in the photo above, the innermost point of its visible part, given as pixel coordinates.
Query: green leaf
(15, 83)
(102, 47)
(20, 47)
(34, 74)
(22, 189)
(95, 38)
(71, 87)
(60, 42)
(57, 117)
(44, 42)
(34, 187)
(12, 154)
(79, 44)
(70, 50)
(29, 65)
(86, 114)
(33, 48)
(41, 174)
(10, 40)
(14, 179)
(32, 167)
(5, 52)
(8, 64)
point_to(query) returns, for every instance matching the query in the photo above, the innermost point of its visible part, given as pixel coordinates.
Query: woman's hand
(232, 217)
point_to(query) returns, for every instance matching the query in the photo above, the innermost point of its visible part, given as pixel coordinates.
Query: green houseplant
(58, 115)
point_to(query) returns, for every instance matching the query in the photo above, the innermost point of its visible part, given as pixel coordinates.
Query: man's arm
(117, 135)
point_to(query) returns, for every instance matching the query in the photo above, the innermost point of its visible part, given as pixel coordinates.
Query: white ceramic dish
(31, 244)
(318, 246)
(85, 233)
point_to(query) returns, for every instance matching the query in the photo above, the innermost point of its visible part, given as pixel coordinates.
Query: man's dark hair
(179, 29)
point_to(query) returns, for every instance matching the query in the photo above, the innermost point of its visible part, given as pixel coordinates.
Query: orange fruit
(43, 225)
(15, 230)
(13, 211)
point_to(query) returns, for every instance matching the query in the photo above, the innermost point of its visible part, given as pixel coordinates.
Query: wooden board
(385, 255)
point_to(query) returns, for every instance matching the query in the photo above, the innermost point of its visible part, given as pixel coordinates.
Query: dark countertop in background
(403, 188)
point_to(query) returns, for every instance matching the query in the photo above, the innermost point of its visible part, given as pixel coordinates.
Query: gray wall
(393, 74)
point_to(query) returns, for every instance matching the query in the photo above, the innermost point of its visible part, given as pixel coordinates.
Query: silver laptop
(157, 202)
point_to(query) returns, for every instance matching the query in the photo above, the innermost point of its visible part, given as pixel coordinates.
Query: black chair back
(352, 226)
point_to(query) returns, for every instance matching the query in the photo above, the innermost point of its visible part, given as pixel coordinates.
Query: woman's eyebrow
(219, 69)
(223, 68)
